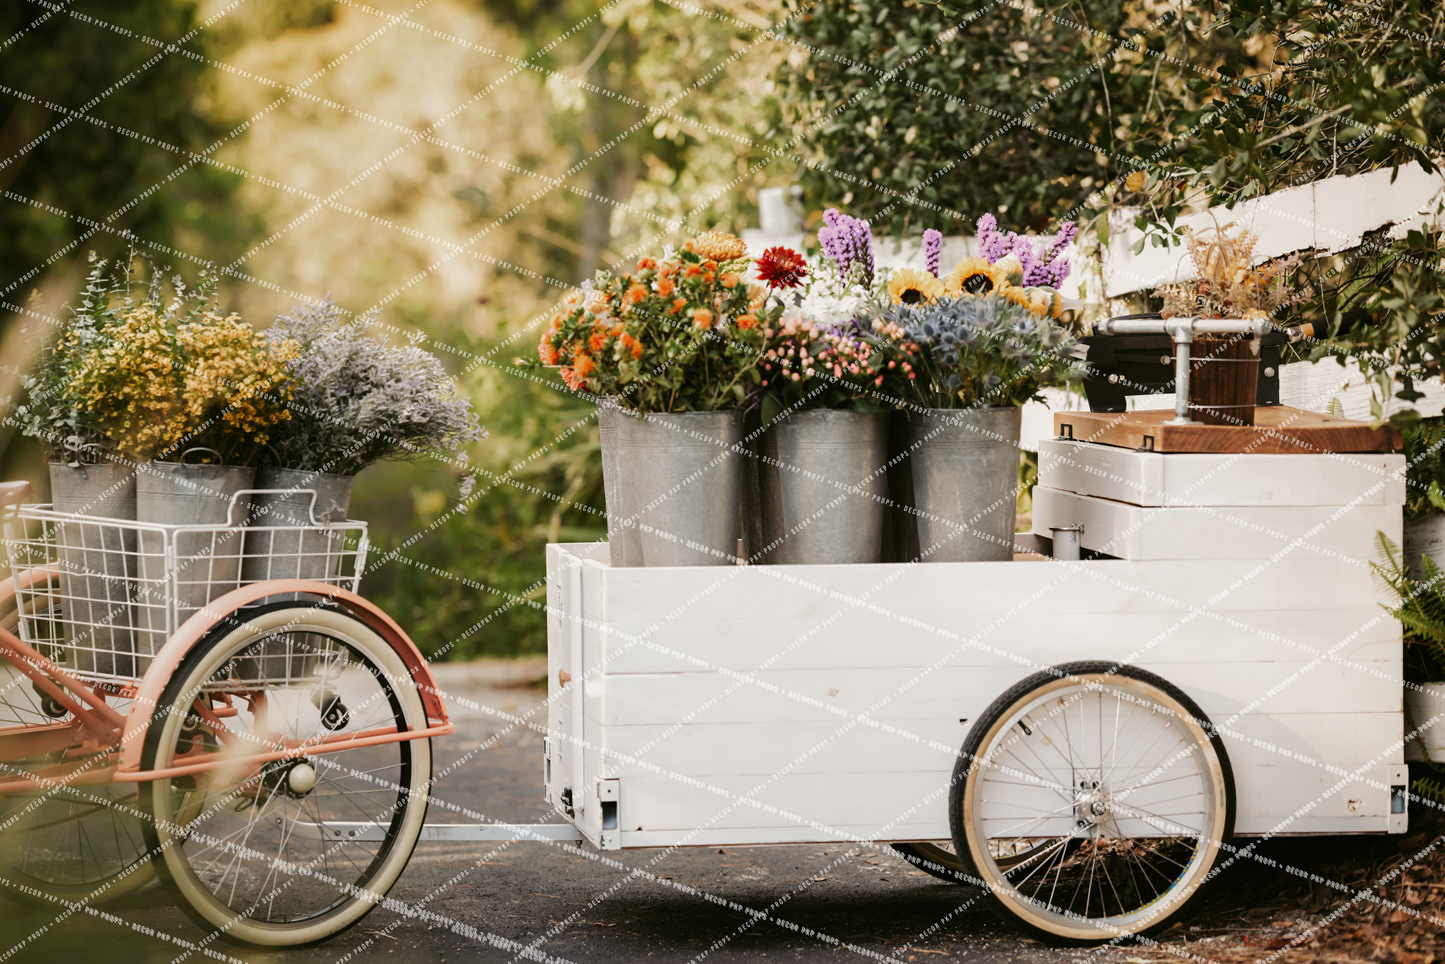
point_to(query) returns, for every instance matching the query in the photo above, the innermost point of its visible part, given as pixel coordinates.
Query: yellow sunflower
(720, 246)
(911, 287)
(973, 276)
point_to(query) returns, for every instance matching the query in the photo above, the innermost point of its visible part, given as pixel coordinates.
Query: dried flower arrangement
(677, 334)
(133, 375)
(356, 400)
(1228, 283)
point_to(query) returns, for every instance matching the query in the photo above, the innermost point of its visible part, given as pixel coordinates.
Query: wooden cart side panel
(1229, 532)
(1152, 479)
(742, 765)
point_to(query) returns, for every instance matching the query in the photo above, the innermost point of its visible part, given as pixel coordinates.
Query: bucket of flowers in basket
(671, 350)
(154, 409)
(353, 400)
(979, 342)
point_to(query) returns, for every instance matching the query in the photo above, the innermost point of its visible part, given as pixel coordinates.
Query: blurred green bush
(474, 583)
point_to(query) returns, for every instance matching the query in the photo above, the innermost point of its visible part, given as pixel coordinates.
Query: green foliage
(1420, 609)
(1424, 444)
(930, 117)
(473, 584)
(100, 120)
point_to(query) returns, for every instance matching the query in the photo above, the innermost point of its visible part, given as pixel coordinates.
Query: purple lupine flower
(863, 247)
(992, 244)
(932, 250)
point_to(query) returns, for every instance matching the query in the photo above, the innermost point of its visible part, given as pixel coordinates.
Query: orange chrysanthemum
(702, 318)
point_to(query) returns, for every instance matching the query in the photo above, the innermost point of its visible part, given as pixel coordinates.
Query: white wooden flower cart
(1087, 739)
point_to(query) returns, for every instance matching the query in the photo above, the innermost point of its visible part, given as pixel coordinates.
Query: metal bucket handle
(201, 448)
(240, 492)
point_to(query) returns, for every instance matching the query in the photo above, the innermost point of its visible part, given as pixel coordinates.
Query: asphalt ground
(537, 901)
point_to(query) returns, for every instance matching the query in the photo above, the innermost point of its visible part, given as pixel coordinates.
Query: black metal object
(1124, 365)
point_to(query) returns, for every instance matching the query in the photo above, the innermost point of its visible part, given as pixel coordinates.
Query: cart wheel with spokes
(72, 841)
(246, 845)
(1114, 786)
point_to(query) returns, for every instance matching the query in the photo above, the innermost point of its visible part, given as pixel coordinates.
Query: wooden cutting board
(1278, 429)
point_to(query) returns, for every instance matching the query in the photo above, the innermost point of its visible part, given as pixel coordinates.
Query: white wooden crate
(1188, 479)
(743, 705)
(1218, 532)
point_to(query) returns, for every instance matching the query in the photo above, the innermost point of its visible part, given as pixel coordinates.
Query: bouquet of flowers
(678, 334)
(136, 376)
(355, 400)
(822, 352)
(980, 350)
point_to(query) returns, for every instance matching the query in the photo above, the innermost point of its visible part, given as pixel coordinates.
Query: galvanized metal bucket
(208, 565)
(98, 566)
(824, 487)
(295, 553)
(965, 482)
(679, 477)
(624, 542)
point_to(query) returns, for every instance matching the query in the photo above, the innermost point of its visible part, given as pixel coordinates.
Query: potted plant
(189, 395)
(86, 478)
(353, 400)
(827, 391)
(975, 359)
(671, 348)
(1224, 369)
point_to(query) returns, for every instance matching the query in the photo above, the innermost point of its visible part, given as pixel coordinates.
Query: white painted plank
(1232, 532)
(882, 807)
(706, 750)
(1333, 214)
(941, 595)
(1202, 479)
(899, 696)
(1162, 639)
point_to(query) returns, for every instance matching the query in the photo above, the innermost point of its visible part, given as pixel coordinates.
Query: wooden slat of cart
(1278, 429)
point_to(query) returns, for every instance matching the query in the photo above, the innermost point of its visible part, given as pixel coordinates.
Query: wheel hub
(1091, 806)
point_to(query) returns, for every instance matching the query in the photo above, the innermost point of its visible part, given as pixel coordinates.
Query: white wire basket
(101, 596)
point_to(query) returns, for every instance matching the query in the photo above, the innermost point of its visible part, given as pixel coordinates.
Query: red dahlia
(782, 267)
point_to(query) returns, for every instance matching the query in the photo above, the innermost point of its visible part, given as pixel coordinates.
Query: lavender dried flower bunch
(1042, 267)
(356, 400)
(849, 242)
